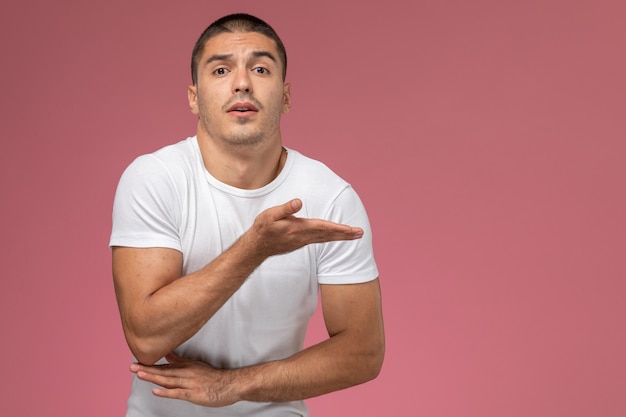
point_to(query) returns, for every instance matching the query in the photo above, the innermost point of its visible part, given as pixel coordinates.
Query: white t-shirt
(168, 199)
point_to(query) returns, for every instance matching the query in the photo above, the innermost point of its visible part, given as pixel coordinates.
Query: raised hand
(276, 230)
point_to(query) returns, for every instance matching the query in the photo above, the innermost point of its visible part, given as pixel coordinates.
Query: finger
(356, 233)
(332, 236)
(326, 231)
(163, 369)
(135, 367)
(172, 393)
(295, 205)
(285, 210)
(166, 381)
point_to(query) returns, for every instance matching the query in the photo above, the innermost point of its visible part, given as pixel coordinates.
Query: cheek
(278, 101)
(208, 103)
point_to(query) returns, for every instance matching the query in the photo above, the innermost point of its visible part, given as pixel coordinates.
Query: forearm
(353, 353)
(173, 313)
(329, 366)
(334, 364)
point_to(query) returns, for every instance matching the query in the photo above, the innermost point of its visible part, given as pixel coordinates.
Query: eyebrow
(226, 57)
(218, 57)
(259, 54)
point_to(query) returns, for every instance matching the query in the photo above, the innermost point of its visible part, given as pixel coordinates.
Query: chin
(244, 140)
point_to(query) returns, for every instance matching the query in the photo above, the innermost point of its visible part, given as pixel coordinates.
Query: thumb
(282, 211)
(289, 208)
(295, 205)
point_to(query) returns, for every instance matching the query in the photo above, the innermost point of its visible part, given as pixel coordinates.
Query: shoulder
(316, 175)
(172, 163)
(321, 189)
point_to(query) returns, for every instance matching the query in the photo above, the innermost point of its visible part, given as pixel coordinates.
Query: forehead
(239, 43)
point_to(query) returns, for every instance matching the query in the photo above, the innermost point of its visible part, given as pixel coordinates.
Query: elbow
(145, 358)
(374, 364)
(371, 363)
(143, 349)
(377, 355)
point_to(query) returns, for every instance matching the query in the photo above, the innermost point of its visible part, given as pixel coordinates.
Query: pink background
(485, 137)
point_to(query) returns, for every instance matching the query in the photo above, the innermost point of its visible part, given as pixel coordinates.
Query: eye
(220, 71)
(261, 70)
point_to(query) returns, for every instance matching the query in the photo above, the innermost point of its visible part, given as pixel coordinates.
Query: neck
(244, 167)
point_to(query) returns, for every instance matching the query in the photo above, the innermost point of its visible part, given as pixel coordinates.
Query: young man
(222, 242)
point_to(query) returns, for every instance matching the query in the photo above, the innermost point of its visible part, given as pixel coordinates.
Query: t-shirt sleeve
(348, 262)
(146, 209)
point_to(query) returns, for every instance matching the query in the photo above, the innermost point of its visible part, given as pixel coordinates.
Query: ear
(192, 96)
(286, 98)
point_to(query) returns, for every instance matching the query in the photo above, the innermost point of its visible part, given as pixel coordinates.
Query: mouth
(242, 108)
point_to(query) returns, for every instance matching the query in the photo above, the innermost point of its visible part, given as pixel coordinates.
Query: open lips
(242, 108)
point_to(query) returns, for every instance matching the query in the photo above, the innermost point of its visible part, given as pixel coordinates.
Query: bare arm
(353, 354)
(160, 308)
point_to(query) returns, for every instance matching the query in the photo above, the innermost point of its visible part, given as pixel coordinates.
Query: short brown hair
(238, 22)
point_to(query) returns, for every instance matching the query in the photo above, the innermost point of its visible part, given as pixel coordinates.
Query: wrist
(245, 387)
(253, 247)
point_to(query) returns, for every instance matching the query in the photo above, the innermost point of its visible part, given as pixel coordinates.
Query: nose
(241, 82)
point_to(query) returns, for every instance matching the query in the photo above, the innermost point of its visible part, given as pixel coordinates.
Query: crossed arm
(160, 310)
